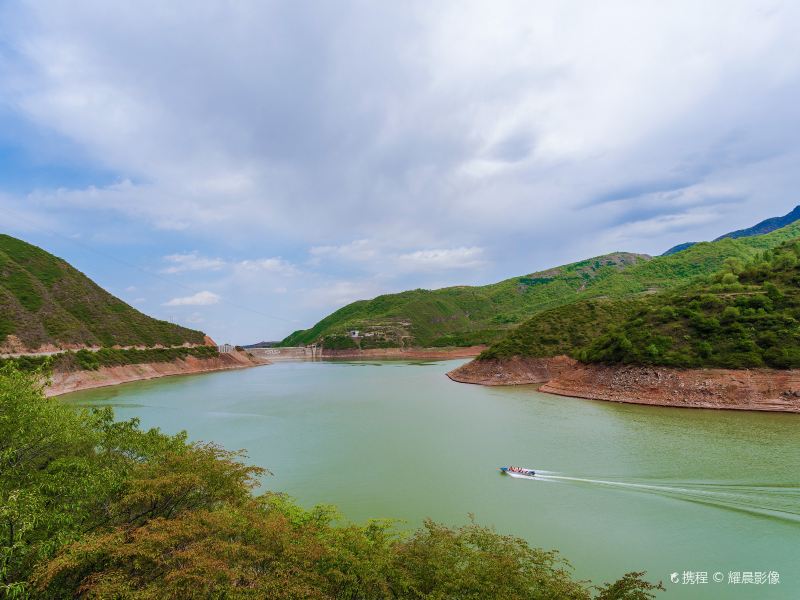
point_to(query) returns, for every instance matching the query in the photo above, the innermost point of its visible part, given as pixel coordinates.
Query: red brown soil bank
(747, 389)
(513, 371)
(412, 353)
(65, 382)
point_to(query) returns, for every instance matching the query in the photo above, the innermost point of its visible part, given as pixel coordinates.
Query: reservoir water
(630, 487)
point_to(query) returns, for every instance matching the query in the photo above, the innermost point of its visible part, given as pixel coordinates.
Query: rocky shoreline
(745, 389)
(73, 381)
(513, 371)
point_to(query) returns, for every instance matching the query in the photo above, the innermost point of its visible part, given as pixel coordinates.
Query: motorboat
(519, 472)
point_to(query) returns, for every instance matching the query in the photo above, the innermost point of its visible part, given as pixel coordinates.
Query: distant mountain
(262, 345)
(46, 302)
(765, 226)
(679, 248)
(461, 315)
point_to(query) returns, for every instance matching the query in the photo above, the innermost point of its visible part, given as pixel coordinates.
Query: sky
(247, 167)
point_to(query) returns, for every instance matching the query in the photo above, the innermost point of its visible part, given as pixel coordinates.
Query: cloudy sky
(246, 167)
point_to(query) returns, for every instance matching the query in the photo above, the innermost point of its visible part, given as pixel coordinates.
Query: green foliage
(6, 325)
(630, 587)
(29, 363)
(471, 338)
(745, 315)
(43, 300)
(58, 468)
(94, 508)
(562, 330)
(88, 360)
(340, 342)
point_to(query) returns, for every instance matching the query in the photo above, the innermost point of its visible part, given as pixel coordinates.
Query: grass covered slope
(746, 315)
(704, 258)
(563, 330)
(43, 300)
(463, 315)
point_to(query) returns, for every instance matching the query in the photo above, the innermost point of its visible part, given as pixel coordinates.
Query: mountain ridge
(765, 226)
(761, 228)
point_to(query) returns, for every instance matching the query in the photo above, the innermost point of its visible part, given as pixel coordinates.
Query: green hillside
(745, 314)
(461, 316)
(564, 330)
(43, 300)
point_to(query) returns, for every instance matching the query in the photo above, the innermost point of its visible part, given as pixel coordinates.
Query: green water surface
(632, 487)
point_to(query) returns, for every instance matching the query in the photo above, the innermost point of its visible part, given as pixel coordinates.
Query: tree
(59, 469)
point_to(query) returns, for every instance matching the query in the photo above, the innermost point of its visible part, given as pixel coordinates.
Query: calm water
(635, 488)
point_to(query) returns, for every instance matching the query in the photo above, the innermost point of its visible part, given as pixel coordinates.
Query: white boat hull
(521, 475)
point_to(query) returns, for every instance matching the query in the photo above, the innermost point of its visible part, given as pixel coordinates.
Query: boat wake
(781, 501)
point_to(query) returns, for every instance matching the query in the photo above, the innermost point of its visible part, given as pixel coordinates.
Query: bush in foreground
(95, 508)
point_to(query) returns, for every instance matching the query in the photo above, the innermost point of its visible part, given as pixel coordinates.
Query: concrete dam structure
(288, 353)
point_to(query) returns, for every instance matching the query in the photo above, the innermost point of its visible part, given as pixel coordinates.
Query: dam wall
(288, 353)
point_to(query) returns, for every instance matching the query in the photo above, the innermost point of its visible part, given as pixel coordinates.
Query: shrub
(709, 326)
(88, 360)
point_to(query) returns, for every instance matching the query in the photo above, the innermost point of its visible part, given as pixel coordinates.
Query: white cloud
(357, 250)
(267, 265)
(191, 262)
(338, 293)
(384, 257)
(442, 258)
(204, 298)
(494, 119)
